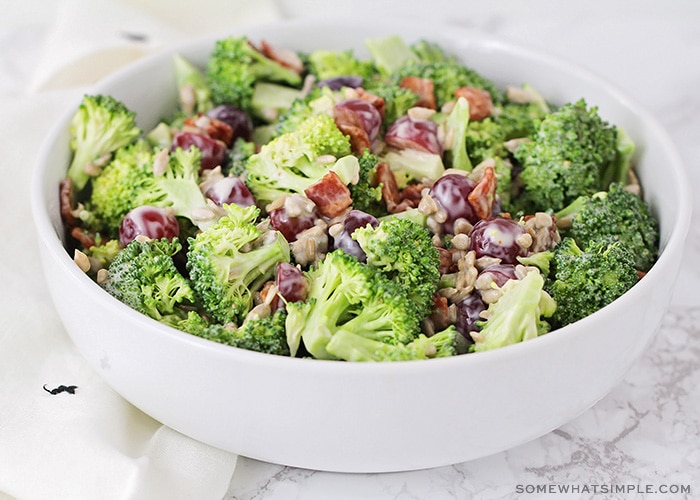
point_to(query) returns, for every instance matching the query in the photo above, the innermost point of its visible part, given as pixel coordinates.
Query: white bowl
(356, 417)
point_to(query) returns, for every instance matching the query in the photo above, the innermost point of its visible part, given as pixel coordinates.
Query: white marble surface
(646, 432)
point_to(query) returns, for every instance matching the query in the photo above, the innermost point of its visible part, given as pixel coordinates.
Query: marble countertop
(644, 436)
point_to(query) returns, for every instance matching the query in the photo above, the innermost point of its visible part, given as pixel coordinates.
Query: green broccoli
(430, 51)
(115, 189)
(229, 261)
(350, 346)
(272, 100)
(403, 251)
(448, 76)
(235, 66)
(516, 316)
(319, 100)
(346, 294)
(619, 214)
(144, 277)
(365, 195)
(100, 126)
(177, 187)
(585, 280)
(262, 334)
(287, 164)
(566, 158)
(390, 53)
(325, 64)
(457, 126)
(194, 94)
(238, 157)
(397, 100)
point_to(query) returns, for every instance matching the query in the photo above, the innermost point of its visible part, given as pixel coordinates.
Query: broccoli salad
(322, 205)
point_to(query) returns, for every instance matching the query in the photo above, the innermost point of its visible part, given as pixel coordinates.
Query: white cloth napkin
(65, 434)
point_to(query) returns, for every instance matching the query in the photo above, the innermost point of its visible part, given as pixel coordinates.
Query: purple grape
(338, 82)
(152, 222)
(500, 273)
(407, 133)
(213, 152)
(451, 192)
(230, 190)
(497, 237)
(468, 313)
(344, 241)
(366, 115)
(290, 227)
(291, 283)
(239, 121)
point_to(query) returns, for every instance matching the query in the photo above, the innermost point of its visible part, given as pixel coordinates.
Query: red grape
(152, 222)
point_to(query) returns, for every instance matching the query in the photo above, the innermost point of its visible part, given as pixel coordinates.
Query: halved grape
(451, 192)
(497, 237)
(152, 222)
(230, 190)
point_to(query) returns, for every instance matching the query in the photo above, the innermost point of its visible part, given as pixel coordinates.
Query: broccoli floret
(325, 64)
(100, 126)
(287, 164)
(350, 346)
(230, 260)
(520, 120)
(320, 100)
(366, 196)
(238, 156)
(448, 76)
(566, 158)
(115, 190)
(404, 252)
(397, 100)
(585, 280)
(457, 126)
(177, 187)
(144, 277)
(344, 293)
(517, 316)
(193, 91)
(389, 53)
(620, 215)
(430, 52)
(271, 100)
(262, 334)
(412, 164)
(619, 170)
(235, 66)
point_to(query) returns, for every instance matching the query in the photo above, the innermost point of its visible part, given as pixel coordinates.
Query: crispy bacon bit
(480, 104)
(287, 58)
(211, 127)
(412, 194)
(447, 263)
(85, 238)
(439, 318)
(330, 195)
(482, 196)
(359, 140)
(390, 190)
(423, 87)
(65, 195)
(378, 102)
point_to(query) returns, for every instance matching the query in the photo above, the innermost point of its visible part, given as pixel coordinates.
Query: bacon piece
(359, 140)
(65, 195)
(330, 195)
(439, 316)
(378, 102)
(285, 57)
(390, 190)
(480, 104)
(482, 196)
(412, 194)
(423, 88)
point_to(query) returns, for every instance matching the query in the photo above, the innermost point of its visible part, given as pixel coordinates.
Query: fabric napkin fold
(64, 433)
